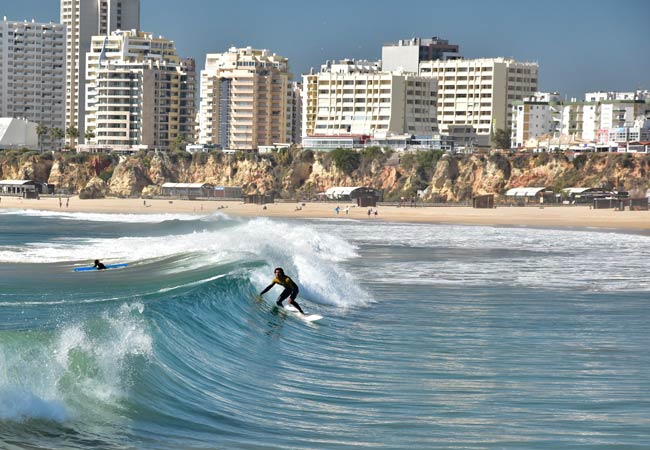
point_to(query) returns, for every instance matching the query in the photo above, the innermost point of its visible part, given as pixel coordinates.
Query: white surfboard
(305, 317)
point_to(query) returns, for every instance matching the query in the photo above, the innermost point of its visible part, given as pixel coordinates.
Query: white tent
(18, 133)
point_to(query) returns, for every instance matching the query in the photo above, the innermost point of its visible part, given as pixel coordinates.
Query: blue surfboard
(108, 266)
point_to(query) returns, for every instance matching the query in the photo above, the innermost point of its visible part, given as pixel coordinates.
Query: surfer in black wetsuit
(99, 266)
(290, 289)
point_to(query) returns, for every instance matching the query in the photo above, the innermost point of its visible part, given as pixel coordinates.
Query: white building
(245, 99)
(139, 92)
(534, 117)
(601, 117)
(605, 96)
(407, 54)
(17, 133)
(475, 96)
(358, 98)
(32, 73)
(85, 19)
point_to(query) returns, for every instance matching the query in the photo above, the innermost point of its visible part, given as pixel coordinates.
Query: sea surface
(434, 336)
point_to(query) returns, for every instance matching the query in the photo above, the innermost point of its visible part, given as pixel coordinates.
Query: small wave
(104, 217)
(58, 376)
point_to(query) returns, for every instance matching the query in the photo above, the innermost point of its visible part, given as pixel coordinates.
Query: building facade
(245, 99)
(32, 73)
(534, 117)
(140, 94)
(295, 106)
(85, 19)
(407, 54)
(475, 96)
(358, 98)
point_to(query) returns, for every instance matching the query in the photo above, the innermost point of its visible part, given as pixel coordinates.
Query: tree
(89, 134)
(346, 160)
(179, 143)
(72, 133)
(56, 134)
(501, 139)
(41, 130)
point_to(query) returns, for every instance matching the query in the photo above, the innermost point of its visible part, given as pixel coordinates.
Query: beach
(534, 216)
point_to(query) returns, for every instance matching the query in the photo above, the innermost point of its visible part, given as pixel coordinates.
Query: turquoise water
(434, 337)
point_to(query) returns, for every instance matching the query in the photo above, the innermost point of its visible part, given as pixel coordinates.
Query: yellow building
(475, 96)
(245, 99)
(139, 93)
(357, 97)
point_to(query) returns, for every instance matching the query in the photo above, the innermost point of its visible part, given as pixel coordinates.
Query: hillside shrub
(346, 160)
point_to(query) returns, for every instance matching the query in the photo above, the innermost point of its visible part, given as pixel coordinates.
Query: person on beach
(99, 265)
(290, 289)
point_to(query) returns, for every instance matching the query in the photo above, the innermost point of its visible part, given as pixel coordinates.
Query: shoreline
(556, 216)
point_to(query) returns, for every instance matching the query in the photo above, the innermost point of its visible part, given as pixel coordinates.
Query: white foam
(310, 256)
(103, 217)
(591, 260)
(40, 380)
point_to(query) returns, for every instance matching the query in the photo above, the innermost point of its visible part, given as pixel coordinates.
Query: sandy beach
(574, 216)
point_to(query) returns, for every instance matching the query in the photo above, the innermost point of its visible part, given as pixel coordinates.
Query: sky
(580, 45)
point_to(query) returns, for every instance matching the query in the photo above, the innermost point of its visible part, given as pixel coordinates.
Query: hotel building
(475, 96)
(32, 73)
(85, 19)
(140, 94)
(245, 99)
(358, 98)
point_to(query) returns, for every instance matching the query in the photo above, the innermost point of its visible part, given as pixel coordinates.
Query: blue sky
(580, 45)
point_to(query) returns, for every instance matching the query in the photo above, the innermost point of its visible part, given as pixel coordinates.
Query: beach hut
(525, 195)
(584, 195)
(259, 199)
(188, 190)
(483, 201)
(354, 194)
(19, 188)
(228, 192)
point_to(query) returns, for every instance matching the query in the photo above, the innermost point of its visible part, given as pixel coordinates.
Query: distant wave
(106, 217)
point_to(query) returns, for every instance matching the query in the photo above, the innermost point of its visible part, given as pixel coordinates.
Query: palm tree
(41, 130)
(56, 134)
(89, 134)
(72, 133)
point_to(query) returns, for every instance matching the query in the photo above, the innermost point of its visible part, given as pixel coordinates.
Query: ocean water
(434, 336)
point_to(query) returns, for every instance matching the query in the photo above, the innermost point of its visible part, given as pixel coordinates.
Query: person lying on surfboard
(99, 266)
(290, 289)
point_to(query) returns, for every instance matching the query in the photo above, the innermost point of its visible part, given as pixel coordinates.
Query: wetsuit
(290, 290)
(100, 266)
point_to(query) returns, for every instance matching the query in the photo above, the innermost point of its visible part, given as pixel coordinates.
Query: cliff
(302, 174)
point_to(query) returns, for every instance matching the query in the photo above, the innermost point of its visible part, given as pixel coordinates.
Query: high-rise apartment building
(85, 19)
(358, 97)
(407, 54)
(475, 96)
(245, 96)
(139, 92)
(295, 109)
(32, 73)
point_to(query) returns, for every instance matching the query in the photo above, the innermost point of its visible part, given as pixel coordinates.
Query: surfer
(99, 265)
(290, 289)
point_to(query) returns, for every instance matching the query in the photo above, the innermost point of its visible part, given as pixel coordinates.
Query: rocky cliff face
(300, 175)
